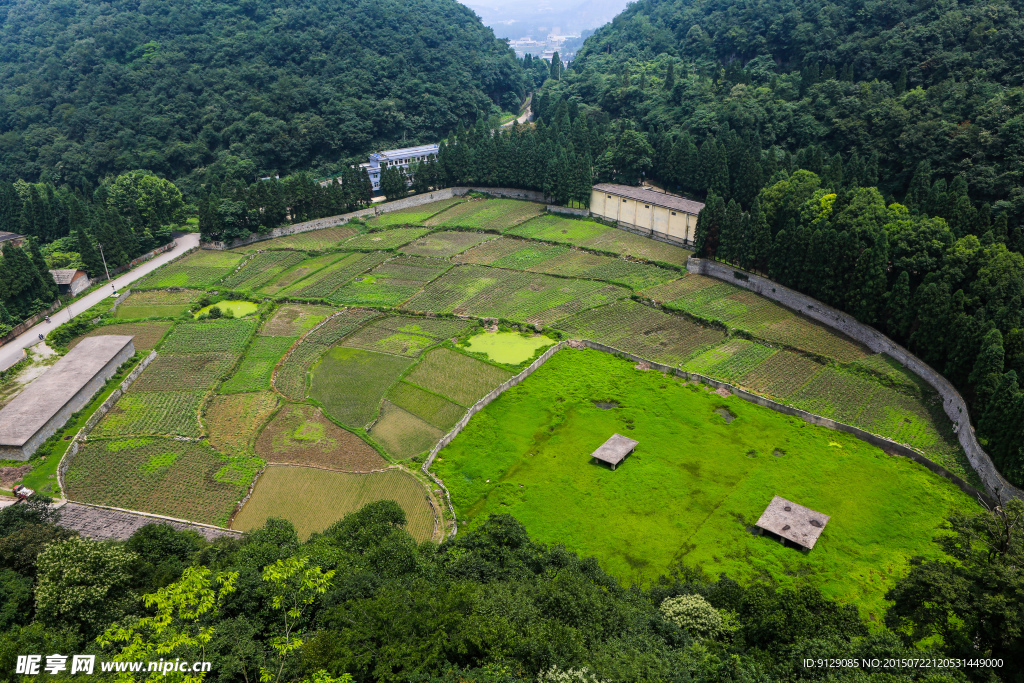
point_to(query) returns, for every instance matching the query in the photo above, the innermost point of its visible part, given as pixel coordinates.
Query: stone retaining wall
(473, 410)
(94, 419)
(568, 211)
(952, 402)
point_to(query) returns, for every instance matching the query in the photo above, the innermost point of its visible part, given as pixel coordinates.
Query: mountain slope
(89, 89)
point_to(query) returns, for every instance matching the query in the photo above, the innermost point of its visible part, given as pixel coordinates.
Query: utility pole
(104, 261)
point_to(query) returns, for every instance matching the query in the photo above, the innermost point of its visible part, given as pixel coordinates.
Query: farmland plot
(179, 479)
(445, 244)
(405, 335)
(328, 496)
(350, 383)
(488, 214)
(210, 336)
(496, 293)
(414, 215)
(431, 408)
(233, 421)
(836, 394)
(261, 269)
(455, 376)
(385, 239)
(154, 412)
(529, 255)
(592, 235)
(258, 364)
(781, 375)
(185, 371)
(157, 303)
(730, 361)
(294, 370)
(615, 270)
(199, 269)
(319, 285)
(492, 251)
(293, 320)
(891, 374)
(390, 283)
(301, 435)
(298, 271)
(403, 434)
(643, 331)
(144, 335)
(312, 240)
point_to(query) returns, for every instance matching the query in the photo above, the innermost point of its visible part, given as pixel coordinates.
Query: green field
(385, 239)
(230, 309)
(402, 434)
(185, 371)
(300, 270)
(592, 235)
(695, 484)
(445, 244)
(431, 408)
(487, 214)
(326, 497)
(322, 283)
(174, 478)
(350, 383)
(155, 304)
(390, 283)
(313, 240)
(415, 215)
(405, 335)
(262, 269)
(209, 336)
(258, 364)
(459, 378)
(198, 269)
(174, 413)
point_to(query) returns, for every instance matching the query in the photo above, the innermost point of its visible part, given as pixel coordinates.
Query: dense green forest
(363, 600)
(206, 91)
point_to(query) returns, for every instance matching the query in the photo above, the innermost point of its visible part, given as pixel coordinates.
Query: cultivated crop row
(489, 214)
(314, 240)
(199, 269)
(429, 407)
(162, 476)
(144, 335)
(491, 251)
(321, 284)
(384, 239)
(154, 412)
(232, 421)
(209, 336)
(350, 383)
(445, 244)
(301, 435)
(254, 372)
(461, 379)
(415, 215)
(297, 272)
(262, 269)
(403, 434)
(292, 320)
(185, 371)
(619, 271)
(781, 375)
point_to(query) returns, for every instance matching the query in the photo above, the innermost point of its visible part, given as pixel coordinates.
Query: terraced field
(357, 389)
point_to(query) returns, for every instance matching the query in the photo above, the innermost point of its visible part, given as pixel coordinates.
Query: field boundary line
(153, 515)
(953, 403)
(90, 424)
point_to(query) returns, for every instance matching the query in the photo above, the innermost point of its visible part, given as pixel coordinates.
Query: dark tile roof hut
(614, 450)
(788, 521)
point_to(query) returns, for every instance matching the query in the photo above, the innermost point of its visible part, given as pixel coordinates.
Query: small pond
(238, 309)
(507, 347)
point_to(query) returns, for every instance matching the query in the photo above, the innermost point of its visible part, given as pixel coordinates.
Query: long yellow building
(652, 214)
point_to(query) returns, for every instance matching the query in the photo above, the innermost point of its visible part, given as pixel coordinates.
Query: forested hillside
(868, 154)
(210, 90)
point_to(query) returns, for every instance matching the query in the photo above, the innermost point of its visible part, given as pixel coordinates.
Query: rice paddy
(350, 383)
(327, 497)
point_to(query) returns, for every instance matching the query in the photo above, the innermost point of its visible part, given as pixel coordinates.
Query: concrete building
(46, 404)
(70, 281)
(11, 239)
(613, 451)
(646, 212)
(398, 157)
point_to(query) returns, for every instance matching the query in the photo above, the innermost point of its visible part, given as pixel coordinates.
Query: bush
(694, 614)
(215, 312)
(557, 675)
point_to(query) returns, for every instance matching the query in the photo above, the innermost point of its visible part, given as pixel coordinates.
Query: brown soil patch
(9, 476)
(301, 435)
(234, 420)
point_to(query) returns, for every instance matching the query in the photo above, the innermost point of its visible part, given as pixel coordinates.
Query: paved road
(526, 116)
(10, 353)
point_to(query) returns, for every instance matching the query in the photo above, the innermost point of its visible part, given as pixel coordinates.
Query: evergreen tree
(898, 312)
(90, 255)
(988, 368)
(730, 242)
(998, 423)
(556, 67)
(920, 185)
(760, 240)
(670, 76)
(901, 82)
(392, 183)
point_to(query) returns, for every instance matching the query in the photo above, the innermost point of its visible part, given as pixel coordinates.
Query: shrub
(215, 312)
(694, 614)
(557, 675)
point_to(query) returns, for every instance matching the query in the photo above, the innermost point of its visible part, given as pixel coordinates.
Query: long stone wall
(952, 402)
(396, 205)
(473, 410)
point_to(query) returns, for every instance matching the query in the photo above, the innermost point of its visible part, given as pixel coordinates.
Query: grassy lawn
(695, 484)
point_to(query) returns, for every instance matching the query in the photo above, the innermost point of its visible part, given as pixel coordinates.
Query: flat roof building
(652, 214)
(398, 157)
(46, 404)
(614, 450)
(788, 521)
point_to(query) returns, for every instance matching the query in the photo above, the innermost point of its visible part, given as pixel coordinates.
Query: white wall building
(398, 157)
